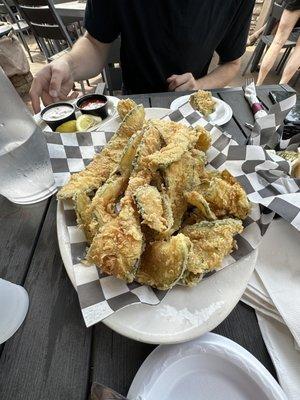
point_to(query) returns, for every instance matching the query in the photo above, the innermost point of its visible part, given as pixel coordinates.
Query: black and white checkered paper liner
(262, 175)
(265, 131)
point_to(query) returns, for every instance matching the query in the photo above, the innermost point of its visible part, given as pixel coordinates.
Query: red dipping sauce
(92, 104)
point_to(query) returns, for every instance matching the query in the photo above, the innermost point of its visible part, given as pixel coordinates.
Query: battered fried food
(190, 279)
(212, 241)
(178, 141)
(100, 168)
(180, 177)
(204, 141)
(102, 207)
(118, 246)
(154, 208)
(82, 204)
(224, 195)
(203, 102)
(163, 263)
(153, 173)
(124, 106)
(196, 199)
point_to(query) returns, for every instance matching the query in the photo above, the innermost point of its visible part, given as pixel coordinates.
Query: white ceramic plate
(212, 367)
(112, 109)
(185, 313)
(220, 116)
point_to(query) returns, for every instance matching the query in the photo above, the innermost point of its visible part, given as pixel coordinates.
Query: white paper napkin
(286, 359)
(278, 266)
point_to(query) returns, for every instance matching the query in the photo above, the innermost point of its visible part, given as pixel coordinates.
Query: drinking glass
(25, 170)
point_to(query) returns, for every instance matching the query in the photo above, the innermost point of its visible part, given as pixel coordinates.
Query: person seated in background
(289, 20)
(165, 45)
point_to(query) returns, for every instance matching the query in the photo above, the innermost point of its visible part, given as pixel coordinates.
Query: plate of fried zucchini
(153, 213)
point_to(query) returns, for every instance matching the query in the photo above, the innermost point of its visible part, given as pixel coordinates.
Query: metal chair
(19, 25)
(46, 26)
(112, 72)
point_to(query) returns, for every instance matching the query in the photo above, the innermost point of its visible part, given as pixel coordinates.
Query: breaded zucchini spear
(118, 245)
(102, 207)
(154, 208)
(212, 241)
(124, 106)
(224, 194)
(163, 263)
(180, 177)
(178, 138)
(102, 165)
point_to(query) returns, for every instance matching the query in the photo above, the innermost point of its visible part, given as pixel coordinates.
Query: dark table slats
(20, 227)
(116, 359)
(48, 357)
(241, 110)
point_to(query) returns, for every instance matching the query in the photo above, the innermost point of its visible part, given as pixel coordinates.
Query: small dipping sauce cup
(94, 104)
(57, 113)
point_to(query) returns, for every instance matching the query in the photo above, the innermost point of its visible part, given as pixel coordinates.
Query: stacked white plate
(211, 368)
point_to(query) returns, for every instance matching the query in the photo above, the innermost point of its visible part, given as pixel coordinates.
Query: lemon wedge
(67, 127)
(84, 122)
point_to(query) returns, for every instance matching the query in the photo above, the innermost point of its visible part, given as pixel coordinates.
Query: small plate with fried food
(211, 108)
(152, 213)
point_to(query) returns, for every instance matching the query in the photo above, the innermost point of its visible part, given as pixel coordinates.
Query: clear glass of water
(25, 170)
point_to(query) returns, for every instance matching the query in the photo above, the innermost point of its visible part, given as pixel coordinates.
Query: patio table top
(53, 355)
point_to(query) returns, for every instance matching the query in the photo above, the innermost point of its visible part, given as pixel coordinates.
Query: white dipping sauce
(57, 112)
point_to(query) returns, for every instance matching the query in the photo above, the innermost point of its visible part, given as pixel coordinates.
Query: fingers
(186, 86)
(55, 83)
(170, 79)
(178, 80)
(35, 94)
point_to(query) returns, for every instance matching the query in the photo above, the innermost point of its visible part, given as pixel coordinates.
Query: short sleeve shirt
(164, 37)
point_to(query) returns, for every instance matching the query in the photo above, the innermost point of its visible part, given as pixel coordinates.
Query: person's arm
(87, 57)
(287, 22)
(55, 80)
(85, 60)
(218, 78)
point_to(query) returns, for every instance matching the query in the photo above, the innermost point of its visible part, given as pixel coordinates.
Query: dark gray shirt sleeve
(101, 20)
(233, 44)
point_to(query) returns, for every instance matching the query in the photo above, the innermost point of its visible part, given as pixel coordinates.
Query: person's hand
(53, 83)
(182, 82)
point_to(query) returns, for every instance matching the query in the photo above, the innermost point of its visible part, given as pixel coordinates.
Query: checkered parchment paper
(263, 175)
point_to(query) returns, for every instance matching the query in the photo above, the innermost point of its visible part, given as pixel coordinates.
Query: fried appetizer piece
(204, 141)
(178, 140)
(203, 102)
(124, 106)
(102, 165)
(153, 207)
(102, 207)
(196, 199)
(82, 203)
(190, 279)
(117, 247)
(212, 241)
(224, 194)
(163, 263)
(179, 178)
